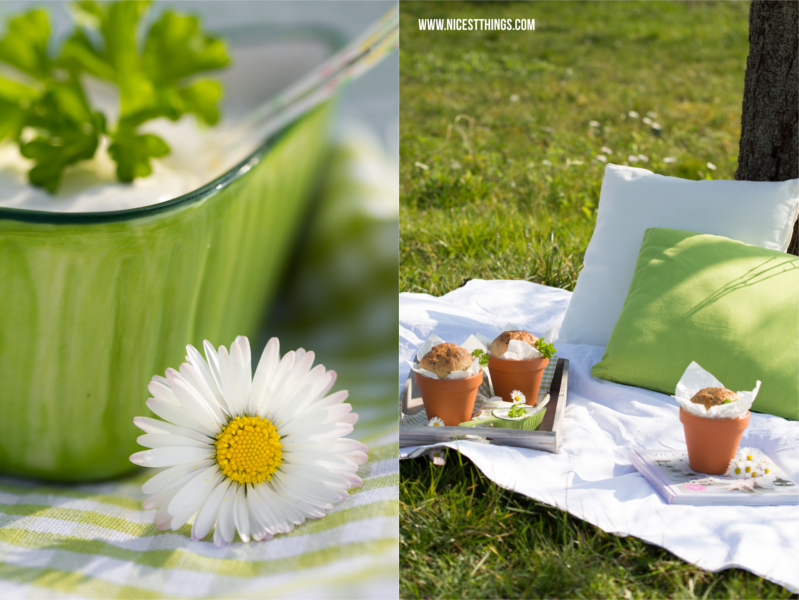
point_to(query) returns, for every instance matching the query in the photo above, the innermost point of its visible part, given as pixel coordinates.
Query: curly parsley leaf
(24, 46)
(67, 131)
(132, 153)
(547, 350)
(155, 80)
(483, 356)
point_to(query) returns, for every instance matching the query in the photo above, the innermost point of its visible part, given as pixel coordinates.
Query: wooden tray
(546, 437)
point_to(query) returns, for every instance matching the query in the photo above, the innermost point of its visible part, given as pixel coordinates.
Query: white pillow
(759, 213)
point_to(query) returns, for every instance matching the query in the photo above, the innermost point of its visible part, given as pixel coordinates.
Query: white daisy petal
(178, 415)
(192, 402)
(345, 445)
(149, 425)
(351, 418)
(209, 513)
(284, 509)
(355, 480)
(172, 474)
(162, 391)
(340, 467)
(162, 519)
(212, 360)
(196, 360)
(283, 370)
(193, 495)
(169, 457)
(259, 526)
(267, 367)
(264, 513)
(231, 383)
(332, 399)
(241, 518)
(166, 440)
(244, 345)
(226, 526)
(194, 378)
(241, 382)
(162, 497)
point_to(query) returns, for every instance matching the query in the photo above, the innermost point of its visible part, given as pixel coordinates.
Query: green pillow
(731, 307)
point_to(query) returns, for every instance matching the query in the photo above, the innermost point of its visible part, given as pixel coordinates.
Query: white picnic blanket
(591, 476)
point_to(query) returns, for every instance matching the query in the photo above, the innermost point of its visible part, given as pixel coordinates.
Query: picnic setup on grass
(660, 399)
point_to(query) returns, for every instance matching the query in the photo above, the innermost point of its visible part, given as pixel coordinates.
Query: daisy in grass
(257, 455)
(436, 422)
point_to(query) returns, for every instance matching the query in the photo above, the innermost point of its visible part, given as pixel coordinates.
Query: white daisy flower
(257, 455)
(652, 114)
(735, 469)
(633, 115)
(711, 166)
(606, 150)
(647, 120)
(669, 159)
(601, 158)
(517, 396)
(514, 97)
(593, 123)
(546, 163)
(643, 158)
(656, 126)
(438, 456)
(436, 422)
(748, 453)
(632, 158)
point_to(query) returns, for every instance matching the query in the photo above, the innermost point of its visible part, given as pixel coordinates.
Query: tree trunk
(769, 149)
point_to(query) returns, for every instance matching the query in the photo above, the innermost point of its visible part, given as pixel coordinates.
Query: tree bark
(769, 148)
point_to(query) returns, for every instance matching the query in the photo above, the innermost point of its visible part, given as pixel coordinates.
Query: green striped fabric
(95, 541)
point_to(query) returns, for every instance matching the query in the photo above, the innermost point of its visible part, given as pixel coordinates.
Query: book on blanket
(672, 477)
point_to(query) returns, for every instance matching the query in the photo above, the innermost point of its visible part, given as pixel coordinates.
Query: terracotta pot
(522, 375)
(451, 400)
(712, 443)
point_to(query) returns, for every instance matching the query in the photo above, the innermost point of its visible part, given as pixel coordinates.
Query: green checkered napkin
(484, 394)
(95, 541)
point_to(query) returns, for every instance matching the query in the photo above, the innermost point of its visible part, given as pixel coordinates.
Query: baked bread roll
(446, 358)
(708, 397)
(500, 345)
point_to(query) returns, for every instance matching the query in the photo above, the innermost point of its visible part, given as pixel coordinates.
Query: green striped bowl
(95, 304)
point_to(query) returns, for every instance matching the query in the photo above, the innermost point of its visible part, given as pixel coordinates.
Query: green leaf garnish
(517, 410)
(47, 113)
(483, 356)
(546, 350)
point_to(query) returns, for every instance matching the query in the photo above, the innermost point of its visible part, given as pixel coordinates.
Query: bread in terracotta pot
(714, 396)
(445, 358)
(500, 345)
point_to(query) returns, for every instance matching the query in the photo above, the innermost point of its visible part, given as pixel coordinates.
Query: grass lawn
(499, 179)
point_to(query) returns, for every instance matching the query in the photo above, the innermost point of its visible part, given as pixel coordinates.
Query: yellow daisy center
(248, 450)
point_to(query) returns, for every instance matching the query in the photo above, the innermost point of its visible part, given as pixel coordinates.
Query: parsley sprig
(483, 356)
(517, 410)
(47, 113)
(547, 350)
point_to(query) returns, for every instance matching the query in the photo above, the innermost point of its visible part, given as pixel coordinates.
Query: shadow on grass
(462, 536)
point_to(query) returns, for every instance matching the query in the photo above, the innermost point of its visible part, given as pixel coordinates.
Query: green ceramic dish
(530, 423)
(92, 305)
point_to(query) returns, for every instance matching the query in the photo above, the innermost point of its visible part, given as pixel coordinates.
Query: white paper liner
(428, 344)
(696, 378)
(517, 350)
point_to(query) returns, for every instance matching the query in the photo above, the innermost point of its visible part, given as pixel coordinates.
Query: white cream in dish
(257, 73)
